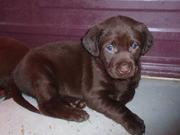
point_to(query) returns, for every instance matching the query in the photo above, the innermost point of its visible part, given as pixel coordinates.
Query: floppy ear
(147, 39)
(91, 40)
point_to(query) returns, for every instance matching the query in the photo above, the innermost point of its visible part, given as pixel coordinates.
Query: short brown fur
(102, 72)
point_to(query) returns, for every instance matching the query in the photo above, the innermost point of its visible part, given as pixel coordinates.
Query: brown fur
(11, 52)
(62, 76)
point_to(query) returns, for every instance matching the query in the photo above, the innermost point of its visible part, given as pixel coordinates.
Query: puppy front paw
(135, 125)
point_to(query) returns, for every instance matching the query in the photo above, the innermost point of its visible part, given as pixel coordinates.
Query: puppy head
(118, 42)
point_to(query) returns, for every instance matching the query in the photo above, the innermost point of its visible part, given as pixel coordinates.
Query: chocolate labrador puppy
(103, 72)
(11, 52)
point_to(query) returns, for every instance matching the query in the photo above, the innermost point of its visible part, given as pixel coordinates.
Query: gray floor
(156, 101)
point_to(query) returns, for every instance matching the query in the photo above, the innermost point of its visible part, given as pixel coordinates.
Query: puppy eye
(134, 45)
(110, 48)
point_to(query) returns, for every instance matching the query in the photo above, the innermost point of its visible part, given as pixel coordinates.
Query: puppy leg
(116, 111)
(56, 108)
(50, 102)
(123, 98)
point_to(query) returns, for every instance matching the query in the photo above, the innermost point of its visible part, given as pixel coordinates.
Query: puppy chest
(122, 86)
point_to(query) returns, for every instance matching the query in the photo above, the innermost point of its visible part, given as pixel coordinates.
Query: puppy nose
(125, 68)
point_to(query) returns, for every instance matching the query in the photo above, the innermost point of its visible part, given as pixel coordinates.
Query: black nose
(125, 68)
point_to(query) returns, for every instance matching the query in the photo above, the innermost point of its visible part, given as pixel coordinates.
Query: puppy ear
(147, 39)
(91, 40)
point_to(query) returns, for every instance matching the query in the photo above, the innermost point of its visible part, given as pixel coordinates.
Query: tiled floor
(157, 102)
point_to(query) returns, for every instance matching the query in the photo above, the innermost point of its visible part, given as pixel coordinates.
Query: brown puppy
(103, 72)
(11, 52)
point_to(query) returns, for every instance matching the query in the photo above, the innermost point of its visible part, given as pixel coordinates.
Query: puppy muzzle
(122, 70)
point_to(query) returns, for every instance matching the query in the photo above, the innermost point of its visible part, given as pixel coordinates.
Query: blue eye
(134, 45)
(109, 48)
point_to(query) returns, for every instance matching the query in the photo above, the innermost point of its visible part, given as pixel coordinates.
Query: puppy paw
(78, 116)
(135, 125)
(78, 104)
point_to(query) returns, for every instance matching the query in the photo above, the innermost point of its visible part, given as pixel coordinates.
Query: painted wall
(40, 21)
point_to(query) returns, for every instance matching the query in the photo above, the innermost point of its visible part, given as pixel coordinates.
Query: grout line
(160, 78)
